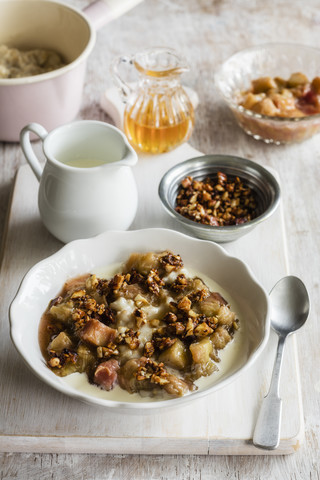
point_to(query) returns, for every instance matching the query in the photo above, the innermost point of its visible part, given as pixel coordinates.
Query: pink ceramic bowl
(53, 98)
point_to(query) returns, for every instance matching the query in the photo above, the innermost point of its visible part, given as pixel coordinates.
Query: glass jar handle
(125, 89)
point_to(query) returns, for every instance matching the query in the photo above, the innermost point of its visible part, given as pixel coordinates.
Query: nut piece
(129, 337)
(154, 282)
(108, 351)
(202, 330)
(140, 317)
(152, 371)
(184, 304)
(171, 262)
(54, 362)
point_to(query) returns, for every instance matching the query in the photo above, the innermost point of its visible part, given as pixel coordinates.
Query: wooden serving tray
(36, 418)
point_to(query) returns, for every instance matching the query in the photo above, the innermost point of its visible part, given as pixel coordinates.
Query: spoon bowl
(289, 305)
(289, 311)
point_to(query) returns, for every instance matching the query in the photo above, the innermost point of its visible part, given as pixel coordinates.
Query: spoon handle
(267, 431)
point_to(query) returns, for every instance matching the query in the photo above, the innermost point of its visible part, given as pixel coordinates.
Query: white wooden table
(207, 33)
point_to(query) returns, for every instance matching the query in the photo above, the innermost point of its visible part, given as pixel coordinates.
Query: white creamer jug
(86, 185)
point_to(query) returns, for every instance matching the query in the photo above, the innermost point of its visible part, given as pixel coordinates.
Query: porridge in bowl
(152, 329)
(15, 63)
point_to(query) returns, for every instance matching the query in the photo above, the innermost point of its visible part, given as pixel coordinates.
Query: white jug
(87, 185)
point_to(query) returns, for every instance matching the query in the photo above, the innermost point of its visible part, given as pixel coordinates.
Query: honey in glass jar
(158, 114)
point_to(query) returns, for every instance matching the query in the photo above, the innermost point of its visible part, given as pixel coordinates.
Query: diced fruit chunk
(60, 342)
(200, 351)
(225, 315)
(250, 100)
(297, 79)
(176, 356)
(142, 262)
(85, 358)
(263, 84)
(220, 338)
(176, 386)
(315, 84)
(202, 362)
(266, 107)
(106, 374)
(97, 333)
(211, 304)
(62, 311)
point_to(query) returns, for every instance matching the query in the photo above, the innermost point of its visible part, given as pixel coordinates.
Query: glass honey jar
(158, 113)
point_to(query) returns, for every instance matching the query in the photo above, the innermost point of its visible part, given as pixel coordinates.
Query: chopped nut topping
(202, 330)
(149, 349)
(177, 328)
(189, 327)
(86, 307)
(154, 282)
(153, 371)
(78, 294)
(216, 201)
(129, 337)
(135, 277)
(198, 295)
(170, 317)
(162, 343)
(54, 362)
(180, 283)
(140, 317)
(171, 262)
(184, 304)
(60, 359)
(108, 351)
(117, 282)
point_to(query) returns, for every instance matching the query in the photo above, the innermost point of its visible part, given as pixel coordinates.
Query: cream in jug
(87, 184)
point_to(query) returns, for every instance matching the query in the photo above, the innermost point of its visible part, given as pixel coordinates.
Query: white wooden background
(207, 32)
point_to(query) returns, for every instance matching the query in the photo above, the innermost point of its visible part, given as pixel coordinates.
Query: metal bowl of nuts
(219, 197)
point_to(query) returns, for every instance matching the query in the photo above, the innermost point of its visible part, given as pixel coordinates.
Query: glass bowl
(274, 60)
(260, 180)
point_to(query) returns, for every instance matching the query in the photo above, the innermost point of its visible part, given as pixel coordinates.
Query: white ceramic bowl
(44, 281)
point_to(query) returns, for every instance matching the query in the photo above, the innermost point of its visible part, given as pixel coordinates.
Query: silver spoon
(289, 311)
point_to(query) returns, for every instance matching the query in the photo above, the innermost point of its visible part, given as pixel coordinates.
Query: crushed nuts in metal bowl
(219, 197)
(217, 201)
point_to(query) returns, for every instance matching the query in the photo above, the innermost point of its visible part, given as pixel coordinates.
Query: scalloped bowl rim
(231, 102)
(166, 236)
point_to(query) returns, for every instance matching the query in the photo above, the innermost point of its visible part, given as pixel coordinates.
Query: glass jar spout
(160, 62)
